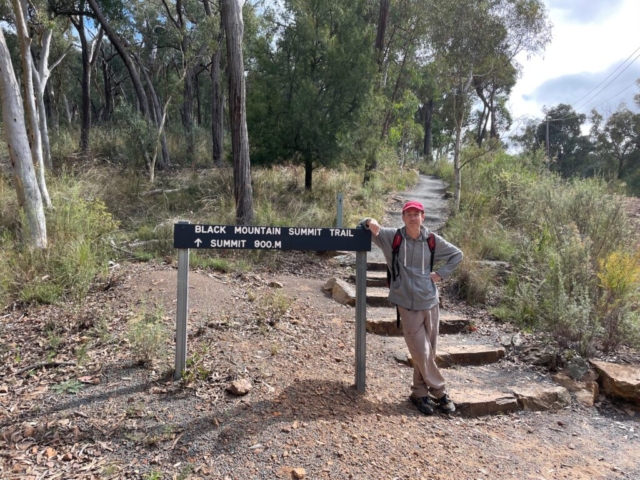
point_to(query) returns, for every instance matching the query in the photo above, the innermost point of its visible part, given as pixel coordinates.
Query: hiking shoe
(445, 404)
(423, 404)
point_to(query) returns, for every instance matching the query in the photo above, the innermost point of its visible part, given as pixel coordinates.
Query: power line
(610, 82)
(594, 88)
(579, 104)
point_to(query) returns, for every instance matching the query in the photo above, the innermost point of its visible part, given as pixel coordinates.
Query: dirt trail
(430, 192)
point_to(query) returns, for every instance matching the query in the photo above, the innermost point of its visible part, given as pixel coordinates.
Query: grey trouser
(420, 329)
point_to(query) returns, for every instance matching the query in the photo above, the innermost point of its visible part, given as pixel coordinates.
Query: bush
(565, 240)
(147, 334)
(78, 227)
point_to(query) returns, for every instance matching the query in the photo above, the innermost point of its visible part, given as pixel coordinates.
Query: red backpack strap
(431, 242)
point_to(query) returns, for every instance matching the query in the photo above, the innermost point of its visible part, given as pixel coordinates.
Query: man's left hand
(435, 277)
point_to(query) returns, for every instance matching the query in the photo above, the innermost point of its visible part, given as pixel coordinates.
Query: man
(413, 289)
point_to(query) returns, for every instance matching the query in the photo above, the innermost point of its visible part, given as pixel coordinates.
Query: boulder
(576, 367)
(539, 398)
(619, 381)
(588, 395)
(586, 392)
(328, 285)
(240, 387)
(567, 382)
(341, 291)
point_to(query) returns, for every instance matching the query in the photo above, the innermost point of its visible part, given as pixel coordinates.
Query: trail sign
(186, 235)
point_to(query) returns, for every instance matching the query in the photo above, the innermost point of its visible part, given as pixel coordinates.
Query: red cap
(413, 204)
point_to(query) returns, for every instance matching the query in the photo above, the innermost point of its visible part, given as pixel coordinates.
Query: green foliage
(619, 293)
(147, 334)
(78, 228)
(271, 306)
(71, 386)
(561, 237)
(298, 109)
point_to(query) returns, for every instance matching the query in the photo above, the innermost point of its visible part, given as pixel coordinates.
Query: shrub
(619, 292)
(78, 227)
(271, 306)
(146, 334)
(565, 241)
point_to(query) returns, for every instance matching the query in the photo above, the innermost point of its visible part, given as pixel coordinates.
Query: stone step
(377, 297)
(449, 323)
(475, 402)
(460, 355)
(374, 279)
(376, 266)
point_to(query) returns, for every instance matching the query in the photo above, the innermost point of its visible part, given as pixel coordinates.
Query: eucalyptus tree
(234, 29)
(474, 39)
(619, 138)
(190, 29)
(35, 135)
(312, 78)
(15, 134)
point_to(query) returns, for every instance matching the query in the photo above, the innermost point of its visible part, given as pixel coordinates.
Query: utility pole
(547, 137)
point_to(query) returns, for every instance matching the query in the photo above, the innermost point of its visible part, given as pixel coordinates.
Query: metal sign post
(181, 311)
(187, 235)
(361, 320)
(339, 214)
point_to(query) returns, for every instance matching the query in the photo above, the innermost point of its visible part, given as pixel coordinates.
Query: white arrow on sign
(198, 242)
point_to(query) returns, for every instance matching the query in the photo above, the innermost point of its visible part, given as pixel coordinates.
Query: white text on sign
(338, 232)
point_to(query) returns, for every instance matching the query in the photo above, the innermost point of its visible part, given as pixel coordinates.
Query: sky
(591, 39)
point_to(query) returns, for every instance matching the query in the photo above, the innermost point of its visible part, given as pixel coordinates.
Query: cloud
(586, 11)
(571, 89)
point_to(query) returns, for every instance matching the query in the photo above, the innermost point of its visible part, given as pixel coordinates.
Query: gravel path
(430, 192)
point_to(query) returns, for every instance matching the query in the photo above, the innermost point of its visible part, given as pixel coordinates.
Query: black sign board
(188, 235)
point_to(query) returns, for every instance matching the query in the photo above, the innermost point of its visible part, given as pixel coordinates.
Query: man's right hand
(374, 226)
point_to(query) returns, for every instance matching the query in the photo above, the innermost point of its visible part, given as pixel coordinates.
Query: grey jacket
(413, 289)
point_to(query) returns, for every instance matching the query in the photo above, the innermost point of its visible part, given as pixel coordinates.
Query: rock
(449, 355)
(619, 381)
(542, 398)
(473, 402)
(328, 285)
(588, 395)
(541, 356)
(275, 284)
(590, 376)
(576, 367)
(511, 341)
(586, 392)
(404, 358)
(567, 382)
(343, 293)
(299, 473)
(239, 387)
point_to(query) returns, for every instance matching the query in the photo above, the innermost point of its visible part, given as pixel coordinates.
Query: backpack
(395, 264)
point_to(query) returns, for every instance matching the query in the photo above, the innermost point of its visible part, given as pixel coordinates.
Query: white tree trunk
(42, 120)
(15, 133)
(40, 78)
(32, 114)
